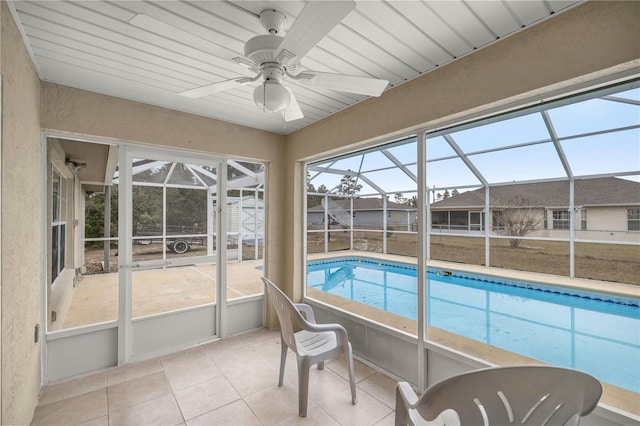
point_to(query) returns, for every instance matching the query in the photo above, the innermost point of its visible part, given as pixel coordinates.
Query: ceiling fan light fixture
(276, 56)
(272, 96)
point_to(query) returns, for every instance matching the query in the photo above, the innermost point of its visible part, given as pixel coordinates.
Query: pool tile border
(559, 290)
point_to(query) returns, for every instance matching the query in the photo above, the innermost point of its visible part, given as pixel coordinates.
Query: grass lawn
(607, 262)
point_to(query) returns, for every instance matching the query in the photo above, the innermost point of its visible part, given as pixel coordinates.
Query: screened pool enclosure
(554, 188)
(545, 195)
(173, 227)
(175, 209)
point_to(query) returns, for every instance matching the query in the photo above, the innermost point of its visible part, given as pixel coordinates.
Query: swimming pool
(593, 332)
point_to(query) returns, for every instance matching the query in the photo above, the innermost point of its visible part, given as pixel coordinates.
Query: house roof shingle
(589, 192)
(609, 191)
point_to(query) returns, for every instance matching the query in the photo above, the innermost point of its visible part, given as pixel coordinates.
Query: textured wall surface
(21, 217)
(86, 113)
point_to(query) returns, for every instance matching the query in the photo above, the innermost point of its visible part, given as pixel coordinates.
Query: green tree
(399, 198)
(147, 210)
(94, 215)
(186, 210)
(312, 200)
(349, 185)
(310, 187)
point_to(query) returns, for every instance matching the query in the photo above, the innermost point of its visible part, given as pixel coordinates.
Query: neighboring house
(605, 208)
(367, 213)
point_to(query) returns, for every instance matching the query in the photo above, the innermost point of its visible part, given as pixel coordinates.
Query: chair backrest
(514, 395)
(288, 315)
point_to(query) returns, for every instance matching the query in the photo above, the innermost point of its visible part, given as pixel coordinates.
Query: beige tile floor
(227, 382)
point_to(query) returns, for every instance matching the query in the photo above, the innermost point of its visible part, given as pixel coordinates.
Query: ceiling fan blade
(313, 24)
(220, 86)
(293, 111)
(344, 83)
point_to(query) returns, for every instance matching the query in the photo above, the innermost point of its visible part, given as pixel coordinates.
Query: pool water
(593, 332)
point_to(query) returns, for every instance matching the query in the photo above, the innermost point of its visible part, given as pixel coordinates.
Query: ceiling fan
(275, 58)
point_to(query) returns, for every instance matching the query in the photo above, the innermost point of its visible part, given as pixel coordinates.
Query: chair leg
(283, 360)
(303, 385)
(352, 374)
(320, 365)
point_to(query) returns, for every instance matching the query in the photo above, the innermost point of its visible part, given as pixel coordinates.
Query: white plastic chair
(312, 344)
(524, 395)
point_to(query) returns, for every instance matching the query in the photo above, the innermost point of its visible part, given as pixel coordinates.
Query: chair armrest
(307, 311)
(405, 391)
(406, 400)
(339, 330)
(311, 325)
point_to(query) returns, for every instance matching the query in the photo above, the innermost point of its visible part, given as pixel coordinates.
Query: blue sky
(589, 154)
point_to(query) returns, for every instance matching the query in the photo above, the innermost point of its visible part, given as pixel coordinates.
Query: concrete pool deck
(158, 290)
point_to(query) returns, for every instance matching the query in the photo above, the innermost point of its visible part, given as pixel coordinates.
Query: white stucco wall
(607, 218)
(21, 217)
(607, 223)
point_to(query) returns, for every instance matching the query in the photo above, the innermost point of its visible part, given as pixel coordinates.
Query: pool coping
(607, 287)
(612, 396)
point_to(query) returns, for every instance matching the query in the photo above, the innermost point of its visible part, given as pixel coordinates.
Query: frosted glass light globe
(272, 96)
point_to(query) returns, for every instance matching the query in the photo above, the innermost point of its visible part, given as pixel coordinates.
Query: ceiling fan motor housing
(273, 21)
(262, 48)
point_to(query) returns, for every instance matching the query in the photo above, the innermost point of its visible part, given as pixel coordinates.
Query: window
(583, 220)
(439, 220)
(560, 219)
(459, 220)
(58, 223)
(475, 221)
(633, 219)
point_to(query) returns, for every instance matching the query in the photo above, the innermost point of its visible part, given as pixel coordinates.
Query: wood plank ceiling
(92, 45)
